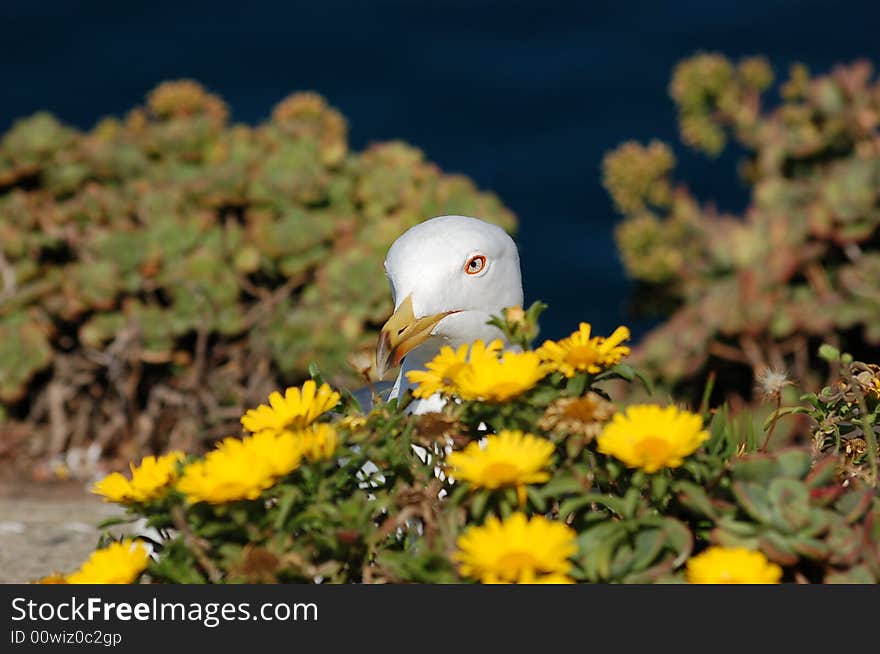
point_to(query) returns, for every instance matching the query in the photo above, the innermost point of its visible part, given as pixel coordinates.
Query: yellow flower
(118, 563)
(582, 353)
(442, 370)
(476, 373)
(149, 480)
(542, 579)
(498, 380)
(552, 579)
(871, 380)
(114, 487)
(510, 459)
(515, 315)
(241, 469)
(152, 477)
(723, 565)
(54, 578)
(651, 437)
(353, 423)
(297, 408)
(225, 475)
(517, 550)
(318, 442)
(282, 452)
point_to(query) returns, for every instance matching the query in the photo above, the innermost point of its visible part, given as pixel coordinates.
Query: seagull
(449, 275)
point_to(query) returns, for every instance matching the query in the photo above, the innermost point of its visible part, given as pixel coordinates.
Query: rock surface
(46, 528)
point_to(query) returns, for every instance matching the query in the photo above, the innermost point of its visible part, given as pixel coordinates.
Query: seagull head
(448, 276)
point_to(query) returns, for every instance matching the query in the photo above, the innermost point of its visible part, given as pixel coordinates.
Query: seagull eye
(475, 264)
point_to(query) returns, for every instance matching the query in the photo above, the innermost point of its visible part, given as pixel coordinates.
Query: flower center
(448, 376)
(501, 473)
(512, 565)
(652, 449)
(583, 410)
(582, 355)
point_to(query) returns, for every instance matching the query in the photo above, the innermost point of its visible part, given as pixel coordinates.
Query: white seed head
(771, 381)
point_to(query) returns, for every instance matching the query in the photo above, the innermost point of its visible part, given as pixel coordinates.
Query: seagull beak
(403, 333)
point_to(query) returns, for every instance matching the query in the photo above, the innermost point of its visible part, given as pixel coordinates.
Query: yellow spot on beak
(403, 333)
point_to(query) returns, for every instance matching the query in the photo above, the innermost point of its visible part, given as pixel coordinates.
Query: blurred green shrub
(800, 267)
(162, 272)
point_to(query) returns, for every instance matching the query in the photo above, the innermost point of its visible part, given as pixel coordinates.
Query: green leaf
(537, 498)
(845, 545)
(680, 537)
(783, 411)
(857, 575)
(753, 499)
(648, 544)
(756, 467)
(597, 546)
(285, 504)
(659, 486)
(822, 473)
(315, 373)
(627, 373)
(112, 522)
(794, 463)
(573, 504)
(707, 393)
(658, 573)
(853, 505)
(349, 400)
(534, 311)
(621, 562)
(695, 498)
(562, 484)
(777, 548)
(791, 504)
(829, 352)
(478, 503)
(737, 527)
(631, 502)
(620, 370)
(576, 385)
(811, 548)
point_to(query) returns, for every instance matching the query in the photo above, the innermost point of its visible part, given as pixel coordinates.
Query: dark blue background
(524, 97)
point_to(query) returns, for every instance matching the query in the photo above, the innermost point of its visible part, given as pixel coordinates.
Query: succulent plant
(799, 267)
(168, 268)
(794, 511)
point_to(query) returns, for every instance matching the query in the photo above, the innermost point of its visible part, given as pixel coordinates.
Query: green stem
(870, 436)
(707, 392)
(773, 424)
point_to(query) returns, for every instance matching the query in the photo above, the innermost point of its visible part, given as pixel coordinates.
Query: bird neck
(458, 329)
(415, 360)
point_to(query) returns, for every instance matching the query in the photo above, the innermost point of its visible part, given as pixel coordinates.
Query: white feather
(427, 262)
